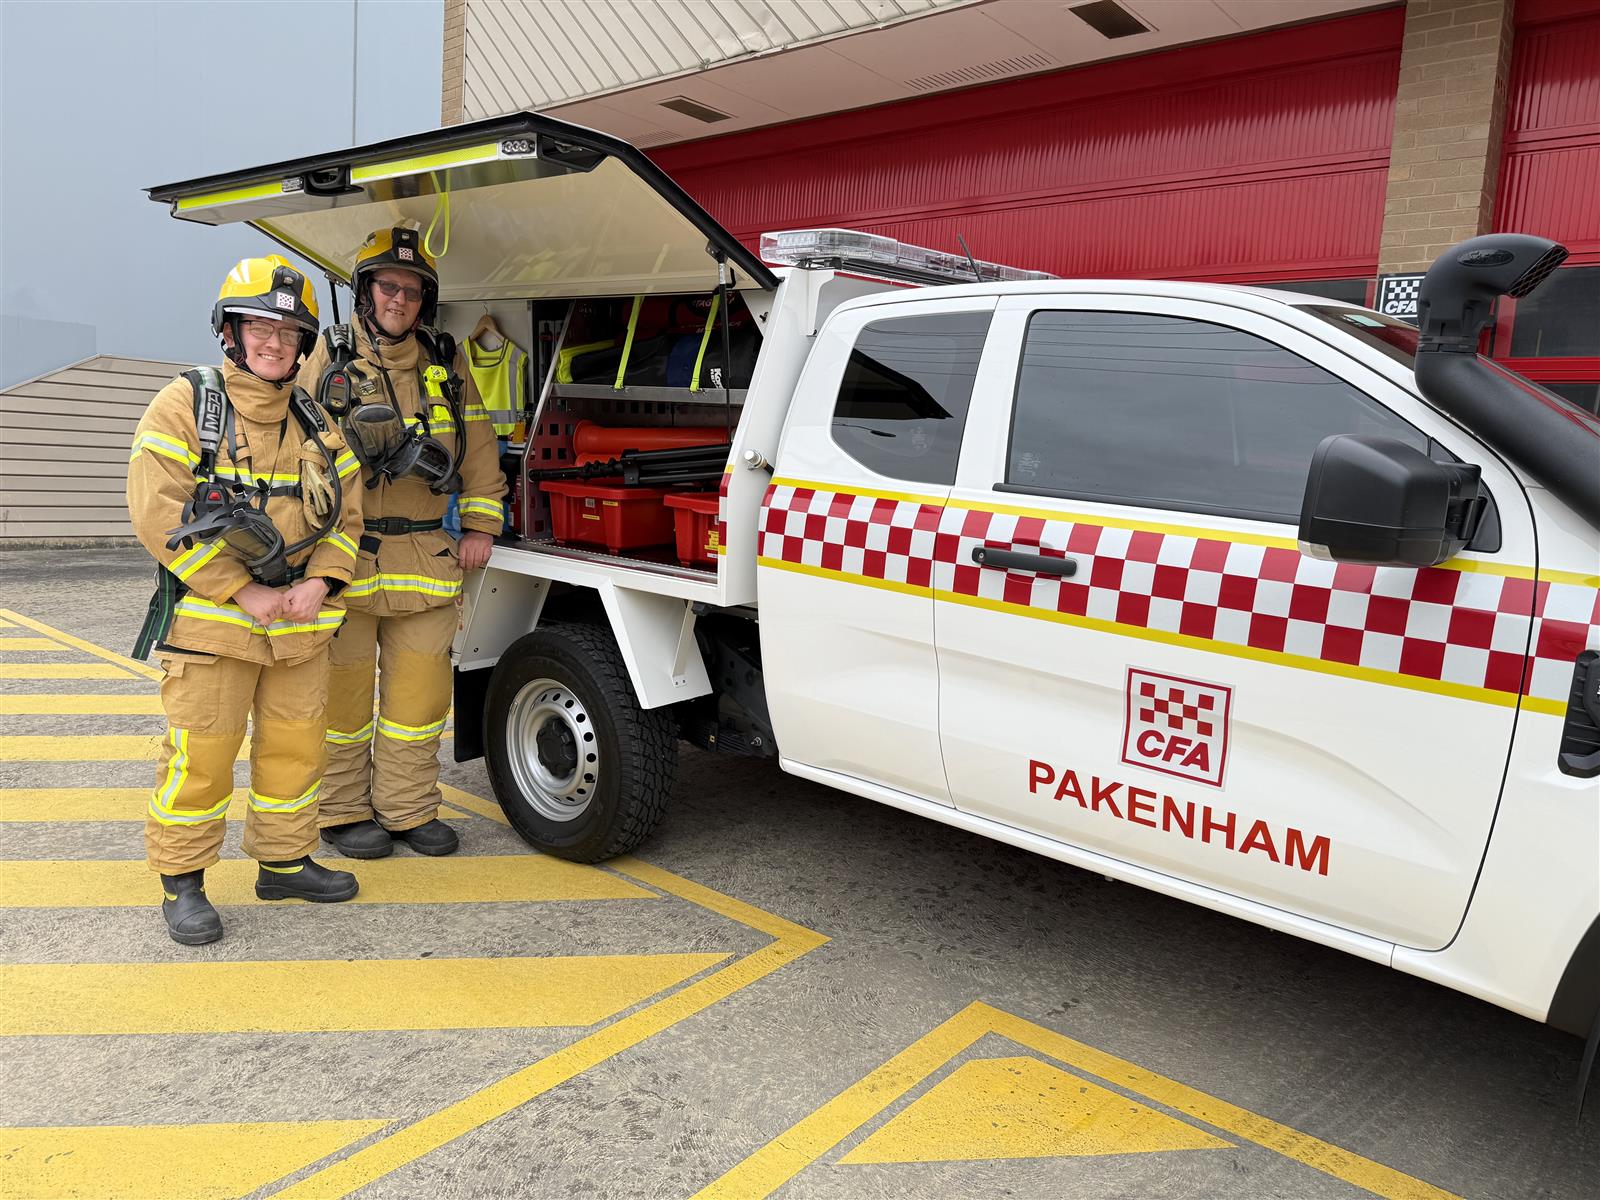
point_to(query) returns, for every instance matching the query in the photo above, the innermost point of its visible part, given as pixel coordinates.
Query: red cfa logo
(1176, 726)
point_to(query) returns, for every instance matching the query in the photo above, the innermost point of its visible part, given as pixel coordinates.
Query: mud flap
(471, 689)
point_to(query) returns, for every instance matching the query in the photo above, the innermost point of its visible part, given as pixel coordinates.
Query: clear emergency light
(851, 249)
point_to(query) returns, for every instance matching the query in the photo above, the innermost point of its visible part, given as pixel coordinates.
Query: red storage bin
(695, 523)
(607, 514)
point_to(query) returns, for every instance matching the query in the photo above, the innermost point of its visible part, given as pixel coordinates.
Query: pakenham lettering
(1198, 822)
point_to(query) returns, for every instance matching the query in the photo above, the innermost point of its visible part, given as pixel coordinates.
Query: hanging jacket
(266, 442)
(407, 572)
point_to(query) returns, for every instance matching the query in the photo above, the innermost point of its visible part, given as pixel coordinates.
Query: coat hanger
(486, 333)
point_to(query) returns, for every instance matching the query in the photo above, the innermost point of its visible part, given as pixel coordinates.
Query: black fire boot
(302, 879)
(434, 838)
(190, 918)
(359, 839)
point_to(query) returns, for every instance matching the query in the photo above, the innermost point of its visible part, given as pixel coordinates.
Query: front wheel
(580, 769)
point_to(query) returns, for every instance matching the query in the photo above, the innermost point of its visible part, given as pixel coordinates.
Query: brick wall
(1449, 116)
(455, 54)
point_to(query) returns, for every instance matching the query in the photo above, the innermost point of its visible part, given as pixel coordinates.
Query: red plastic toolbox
(695, 522)
(606, 514)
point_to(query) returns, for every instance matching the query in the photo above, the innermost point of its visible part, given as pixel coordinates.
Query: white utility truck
(1257, 599)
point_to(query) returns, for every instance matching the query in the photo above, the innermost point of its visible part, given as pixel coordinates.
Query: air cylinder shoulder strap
(210, 413)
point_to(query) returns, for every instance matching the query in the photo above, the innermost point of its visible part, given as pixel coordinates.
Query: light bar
(851, 248)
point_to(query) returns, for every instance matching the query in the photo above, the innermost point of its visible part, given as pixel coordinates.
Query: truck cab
(1256, 599)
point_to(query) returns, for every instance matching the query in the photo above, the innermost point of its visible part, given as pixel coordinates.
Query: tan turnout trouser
(207, 701)
(387, 768)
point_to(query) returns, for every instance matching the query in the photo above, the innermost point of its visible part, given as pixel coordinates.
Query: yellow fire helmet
(266, 288)
(399, 248)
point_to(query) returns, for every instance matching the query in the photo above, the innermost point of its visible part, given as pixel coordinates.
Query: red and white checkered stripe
(1467, 628)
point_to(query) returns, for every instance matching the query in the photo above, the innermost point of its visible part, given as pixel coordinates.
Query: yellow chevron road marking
(104, 747)
(403, 879)
(77, 643)
(108, 804)
(51, 704)
(9, 645)
(321, 997)
(395, 1150)
(196, 1162)
(61, 671)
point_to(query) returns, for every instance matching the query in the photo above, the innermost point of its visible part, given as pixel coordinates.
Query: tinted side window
(1166, 412)
(903, 402)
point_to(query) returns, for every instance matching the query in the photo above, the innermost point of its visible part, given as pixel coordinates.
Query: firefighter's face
(270, 347)
(396, 300)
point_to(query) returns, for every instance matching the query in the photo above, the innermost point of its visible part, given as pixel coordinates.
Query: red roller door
(1255, 158)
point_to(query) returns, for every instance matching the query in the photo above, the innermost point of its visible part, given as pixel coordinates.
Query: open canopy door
(521, 207)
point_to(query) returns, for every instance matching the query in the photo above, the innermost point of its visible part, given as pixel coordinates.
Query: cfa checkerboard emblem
(1177, 726)
(283, 300)
(1397, 296)
(404, 254)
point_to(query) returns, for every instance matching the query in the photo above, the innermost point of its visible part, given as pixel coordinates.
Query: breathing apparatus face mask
(390, 450)
(243, 525)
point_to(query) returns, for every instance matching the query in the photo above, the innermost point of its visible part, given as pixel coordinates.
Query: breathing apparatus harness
(235, 510)
(377, 433)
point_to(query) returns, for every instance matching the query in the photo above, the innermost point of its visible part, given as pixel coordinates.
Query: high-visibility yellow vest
(501, 376)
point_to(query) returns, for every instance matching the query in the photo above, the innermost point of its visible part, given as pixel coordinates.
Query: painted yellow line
(127, 664)
(487, 809)
(412, 1142)
(9, 625)
(10, 644)
(79, 703)
(102, 747)
(61, 671)
(403, 879)
(770, 1167)
(196, 1162)
(323, 997)
(107, 804)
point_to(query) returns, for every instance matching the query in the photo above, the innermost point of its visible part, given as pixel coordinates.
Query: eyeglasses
(265, 331)
(391, 290)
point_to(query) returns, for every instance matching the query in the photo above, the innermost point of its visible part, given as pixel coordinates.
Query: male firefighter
(415, 420)
(251, 505)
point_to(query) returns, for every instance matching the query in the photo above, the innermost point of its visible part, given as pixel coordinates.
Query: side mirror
(1377, 500)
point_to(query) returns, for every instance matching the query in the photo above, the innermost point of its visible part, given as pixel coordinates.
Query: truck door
(846, 542)
(1175, 685)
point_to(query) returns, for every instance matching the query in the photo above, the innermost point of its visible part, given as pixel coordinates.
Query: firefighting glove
(316, 489)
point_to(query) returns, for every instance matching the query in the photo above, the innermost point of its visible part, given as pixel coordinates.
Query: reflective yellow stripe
(477, 412)
(161, 801)
(268, 804)
(190, 561)
(294, 870)
(335, 538)
(478, 506)
(159, 443)
(346, 464)
(403, 583)
(232, 614)
(273, 478)
(409, 733)
(338, 738)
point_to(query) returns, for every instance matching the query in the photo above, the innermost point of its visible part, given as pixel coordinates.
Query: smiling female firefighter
(247, 499)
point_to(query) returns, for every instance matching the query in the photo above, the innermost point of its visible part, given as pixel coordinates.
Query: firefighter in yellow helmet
(416, 421)
(250, 502)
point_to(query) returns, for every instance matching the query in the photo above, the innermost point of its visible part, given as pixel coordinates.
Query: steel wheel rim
(553, 750)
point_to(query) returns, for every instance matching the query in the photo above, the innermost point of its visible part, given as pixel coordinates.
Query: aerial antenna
(970, 262)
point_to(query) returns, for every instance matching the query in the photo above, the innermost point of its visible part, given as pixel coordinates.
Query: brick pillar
(455, 61)
(1449, 115)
